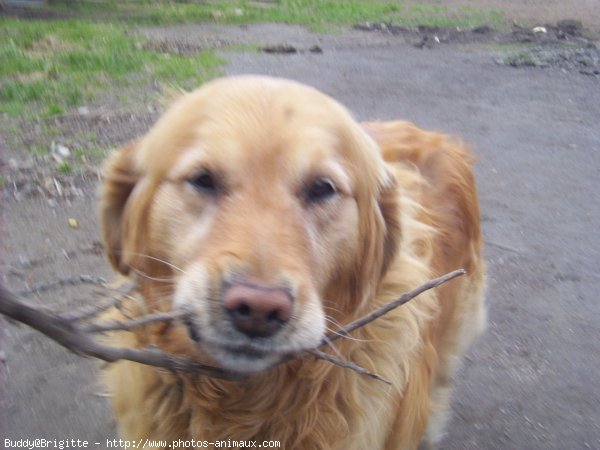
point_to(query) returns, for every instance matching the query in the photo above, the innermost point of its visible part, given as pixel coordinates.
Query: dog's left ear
(380, 230)
(119, 180)
(389, 209)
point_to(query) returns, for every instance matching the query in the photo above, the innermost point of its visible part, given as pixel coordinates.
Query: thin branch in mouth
(65, 329)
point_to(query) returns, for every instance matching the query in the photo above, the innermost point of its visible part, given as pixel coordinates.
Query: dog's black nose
(257, 310)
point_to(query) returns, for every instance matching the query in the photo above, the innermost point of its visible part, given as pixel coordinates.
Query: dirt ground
(531, 381)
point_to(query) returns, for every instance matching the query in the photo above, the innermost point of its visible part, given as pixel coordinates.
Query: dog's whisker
(330, 312)
(348, 337)
(149, 277)
(333, 321)
(154, 258)
(337, 329)
(332, 346)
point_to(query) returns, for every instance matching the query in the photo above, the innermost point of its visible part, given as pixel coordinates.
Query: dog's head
(262, 207)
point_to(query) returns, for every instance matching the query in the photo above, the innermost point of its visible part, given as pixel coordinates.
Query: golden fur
(405, 210)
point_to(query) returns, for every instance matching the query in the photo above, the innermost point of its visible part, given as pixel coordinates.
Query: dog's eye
(205, 183)
(320, 190)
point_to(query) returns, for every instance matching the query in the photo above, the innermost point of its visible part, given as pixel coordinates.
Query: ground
(531, 380)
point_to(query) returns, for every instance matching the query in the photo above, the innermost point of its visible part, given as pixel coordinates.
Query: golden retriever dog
(263, 208)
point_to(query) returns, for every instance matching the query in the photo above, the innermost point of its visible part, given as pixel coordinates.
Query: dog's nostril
(243, 310)
(273, 316)
(257, 311)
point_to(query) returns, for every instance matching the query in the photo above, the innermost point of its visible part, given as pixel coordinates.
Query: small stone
(484, 29)
(280, 49)
(60, 150)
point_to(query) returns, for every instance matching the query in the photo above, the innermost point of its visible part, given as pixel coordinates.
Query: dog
(264, 209)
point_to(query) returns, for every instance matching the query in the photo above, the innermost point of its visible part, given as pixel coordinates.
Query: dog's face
(256, 204)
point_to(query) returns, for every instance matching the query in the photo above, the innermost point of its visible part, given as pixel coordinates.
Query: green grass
(65, 168)
(316, 14)
(49, 67)
(306, 12)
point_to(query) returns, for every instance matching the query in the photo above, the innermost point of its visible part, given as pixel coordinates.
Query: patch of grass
(65, 168)
(49, 67)
(319, 15)
(322, 14)
(38, 149)
(92, 152)
(306, 12)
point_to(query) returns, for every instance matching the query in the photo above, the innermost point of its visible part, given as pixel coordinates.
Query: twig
(63, 328)
(92, 310)
(346, 330)
(347, 365)
(89, 311)
(405, 298)
(77, 279)
(135, 323)
(72, 337)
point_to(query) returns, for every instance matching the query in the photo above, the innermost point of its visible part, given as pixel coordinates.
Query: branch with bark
(72, 330)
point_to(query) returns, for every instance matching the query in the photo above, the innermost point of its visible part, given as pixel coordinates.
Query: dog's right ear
(119, 180)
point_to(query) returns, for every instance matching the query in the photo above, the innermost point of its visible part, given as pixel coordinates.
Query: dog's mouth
(241, 356)
(248, 341)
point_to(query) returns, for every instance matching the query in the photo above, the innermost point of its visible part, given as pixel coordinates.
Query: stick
(346, 330)
(65, 330)
(405, 298)
(70, 336)
(89, 311)
(77, 279)
(135, 323)
(347, 365)
(92, 310)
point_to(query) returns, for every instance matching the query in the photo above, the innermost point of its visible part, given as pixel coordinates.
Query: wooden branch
(405, 298)
(72, 337)
(93, 310)
(347, 365)
(77, 279)
(135, 323)
(64, 329)
(373, 315)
